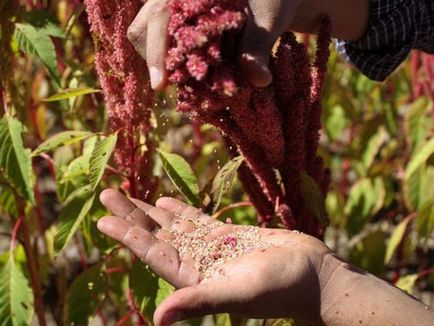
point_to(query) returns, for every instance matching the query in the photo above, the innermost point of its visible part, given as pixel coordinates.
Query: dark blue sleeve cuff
(395, 27)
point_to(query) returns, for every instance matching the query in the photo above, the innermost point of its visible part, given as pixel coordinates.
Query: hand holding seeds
(218, 267)
(253, 272)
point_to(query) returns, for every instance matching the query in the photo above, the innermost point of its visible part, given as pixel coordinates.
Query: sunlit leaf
(71, 93)
(286, 322)
(313, 197)
(224, 179)
(15, 161)
(32, 40)
(164, 290)
(365, 199)
(8, 203)
(425, 219)
(420, 158)
(407, 282)
(61, 139)
(100, 157)
(372, 147)
(16, 297)
(79, 166)
(395, 239)
(70, 219)
(222, 320)
(417, 123)
(84, 296)
(181, 175)
(369, 251)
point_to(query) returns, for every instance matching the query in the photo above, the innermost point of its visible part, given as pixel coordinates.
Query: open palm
(279, 281)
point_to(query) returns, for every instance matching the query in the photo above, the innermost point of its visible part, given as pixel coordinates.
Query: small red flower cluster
(423, 75)
(123, 75)
(275, 128)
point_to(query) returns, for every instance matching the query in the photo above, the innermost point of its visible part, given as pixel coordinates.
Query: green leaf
(222, 320)
(417, 123)
(313, 197)
(8, 204)
(406, 283)
(418, 187)
(372, 147)
(144, 286)
(224, 179)
(365, 199)
(84, 296)
(395, 239)
(71, 93)
(181, 175)
(99, 159)
(15, 161)
(70, 219)
(420, 158)
(368, 253)
(44, 22)
(148, 289)
(36, 41)
(79, 166)
(164, 290)
(61, 139)
(425, 220)
(16, 297)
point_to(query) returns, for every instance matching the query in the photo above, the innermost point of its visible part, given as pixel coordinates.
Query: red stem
(125, 318)
(229, 207)
(32, 266)
(15, 233)
(132, 304)
(3, 99)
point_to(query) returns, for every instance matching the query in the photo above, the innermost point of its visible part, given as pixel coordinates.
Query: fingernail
(156, 77)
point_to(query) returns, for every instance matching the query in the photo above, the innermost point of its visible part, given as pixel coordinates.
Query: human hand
(267, 20)
(284, 277)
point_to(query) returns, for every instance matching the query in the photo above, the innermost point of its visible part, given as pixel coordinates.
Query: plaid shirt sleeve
(395, 28)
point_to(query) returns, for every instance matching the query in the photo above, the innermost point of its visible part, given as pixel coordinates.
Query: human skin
(298, 276)
(268, 19)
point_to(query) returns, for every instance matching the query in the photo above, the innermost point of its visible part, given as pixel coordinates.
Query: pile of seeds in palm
(210, 255)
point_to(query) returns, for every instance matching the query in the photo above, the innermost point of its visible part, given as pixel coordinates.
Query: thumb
(188, 303)
(255, 48)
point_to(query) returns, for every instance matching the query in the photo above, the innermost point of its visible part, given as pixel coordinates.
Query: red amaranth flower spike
(123, 76)
(276, 129)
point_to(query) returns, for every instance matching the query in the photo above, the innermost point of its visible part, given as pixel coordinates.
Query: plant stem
(32, 266)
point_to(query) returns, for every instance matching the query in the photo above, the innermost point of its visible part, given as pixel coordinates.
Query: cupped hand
(283, 279)
(266, 22)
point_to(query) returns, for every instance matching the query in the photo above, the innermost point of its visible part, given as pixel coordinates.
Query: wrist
(335, 277)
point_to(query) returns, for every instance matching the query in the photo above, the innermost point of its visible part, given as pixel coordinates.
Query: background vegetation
(55, 159)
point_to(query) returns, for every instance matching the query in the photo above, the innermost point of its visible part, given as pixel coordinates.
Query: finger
(183, 210)
(137, 31)
(184, 304)
(121, 206)
(157, 44)
(255, 48)
(161, 216)
(161, 257)
(203, 299)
